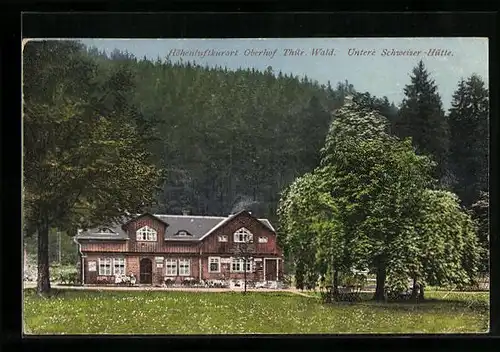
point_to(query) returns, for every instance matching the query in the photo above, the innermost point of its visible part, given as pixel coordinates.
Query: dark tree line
(229, 139)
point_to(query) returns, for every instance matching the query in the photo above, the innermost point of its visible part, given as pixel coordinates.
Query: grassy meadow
(163, 312)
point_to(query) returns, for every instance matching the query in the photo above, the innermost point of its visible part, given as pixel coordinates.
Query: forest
(169, 136)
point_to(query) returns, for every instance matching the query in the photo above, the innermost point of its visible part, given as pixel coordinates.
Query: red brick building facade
(156, 248)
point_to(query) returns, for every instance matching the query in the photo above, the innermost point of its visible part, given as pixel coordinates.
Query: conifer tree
(469, 142)
(421, 117)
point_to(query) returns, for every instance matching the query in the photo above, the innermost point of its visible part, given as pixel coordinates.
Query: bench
(68, 279)
(350, 293)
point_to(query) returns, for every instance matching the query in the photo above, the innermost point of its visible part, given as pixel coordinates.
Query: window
(184, 267)
(214, 265)
(119, 266)
(183, 233)
(171, 267)
(223, 238)
(105, 231)
(104, 266)
(243, 235)
(262, 239)
(146, 233)
(237, 265)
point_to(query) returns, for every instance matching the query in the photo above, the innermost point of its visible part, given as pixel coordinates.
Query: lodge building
(155, 248)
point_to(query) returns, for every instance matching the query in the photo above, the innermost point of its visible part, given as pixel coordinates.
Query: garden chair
(260, 285)
(73, 278)
(62, 279)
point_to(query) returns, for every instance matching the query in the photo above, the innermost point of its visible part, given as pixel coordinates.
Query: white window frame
(182, 233)
(105, 231)
(105, 264)
(243, 235)
(117, 263)
(222, 238)
(240, 262)
(183, 264)
(170, 267)
(213, 260)
(146, 233)
(263, 239)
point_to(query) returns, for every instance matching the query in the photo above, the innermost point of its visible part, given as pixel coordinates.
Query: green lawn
(157, 312)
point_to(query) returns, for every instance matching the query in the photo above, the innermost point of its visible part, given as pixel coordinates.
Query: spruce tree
(468, 119)
(421, 117)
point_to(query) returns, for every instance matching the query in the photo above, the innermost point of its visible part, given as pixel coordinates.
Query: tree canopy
(84, 161)
(384, 211)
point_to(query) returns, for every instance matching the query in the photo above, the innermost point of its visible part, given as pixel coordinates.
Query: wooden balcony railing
(146, 247)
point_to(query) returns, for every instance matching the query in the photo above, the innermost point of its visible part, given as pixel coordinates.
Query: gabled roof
(97, 234)
(197, 226)
(144, 214)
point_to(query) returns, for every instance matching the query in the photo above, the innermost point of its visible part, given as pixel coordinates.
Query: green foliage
(83, 156)
(59, 273)
(440, 248)
(85, 161)
(206, 126)
(305, 214)
(469, 149)
(480, 211)
(421, 117)
(383, 210)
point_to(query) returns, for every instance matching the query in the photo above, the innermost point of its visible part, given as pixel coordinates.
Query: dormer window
(243, 235)
(105, 231)
(146, 233)
(182, 233)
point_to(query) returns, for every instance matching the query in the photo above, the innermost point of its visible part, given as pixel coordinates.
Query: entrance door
(146, 271)
(271, 269)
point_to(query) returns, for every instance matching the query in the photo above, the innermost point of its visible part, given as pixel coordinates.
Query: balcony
(147, 247)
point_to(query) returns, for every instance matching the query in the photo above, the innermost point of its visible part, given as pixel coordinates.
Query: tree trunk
(421, 293)
(336, 281)
(414, 290)
(43, 280)
(245, 275)
(380, 289)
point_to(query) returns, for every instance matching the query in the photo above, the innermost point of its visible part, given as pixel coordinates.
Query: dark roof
(196, 226)
(112, 232)
(143, 214)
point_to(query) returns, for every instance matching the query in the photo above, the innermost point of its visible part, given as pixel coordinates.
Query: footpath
(179, 289)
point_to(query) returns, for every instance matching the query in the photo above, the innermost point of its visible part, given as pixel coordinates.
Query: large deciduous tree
(84, 162)
(376, 181)
(312, 232)
(438, 247)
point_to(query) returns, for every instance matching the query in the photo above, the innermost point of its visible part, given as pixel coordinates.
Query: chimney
(185, 211)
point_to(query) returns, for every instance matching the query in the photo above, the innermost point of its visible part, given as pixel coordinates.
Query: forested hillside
(230, 139)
